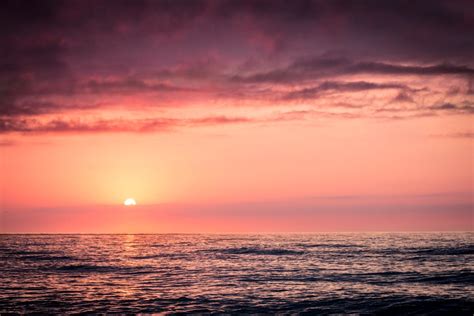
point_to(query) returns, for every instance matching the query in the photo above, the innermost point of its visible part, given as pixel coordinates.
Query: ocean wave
(336, 246)
(35, 255)
(448, 251)
(159, 256)
(259, 251)
(47, 258)
(92, 268)
(449, 277)
(416, 253)
(15, 252)
(87, 268)
(376, 278)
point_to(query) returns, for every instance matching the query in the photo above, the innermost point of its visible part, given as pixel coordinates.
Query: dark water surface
(387, 273)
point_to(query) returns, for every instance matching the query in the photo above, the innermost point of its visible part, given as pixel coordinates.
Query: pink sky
(235, 116)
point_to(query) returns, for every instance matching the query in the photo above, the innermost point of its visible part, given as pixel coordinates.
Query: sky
(236, 116)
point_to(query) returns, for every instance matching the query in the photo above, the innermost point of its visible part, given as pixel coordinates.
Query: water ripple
(429, 273)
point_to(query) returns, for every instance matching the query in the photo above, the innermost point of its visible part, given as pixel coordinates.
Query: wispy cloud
(341, 87)
(323, 67)
(7, 143)
(114, 125)
(467, 135)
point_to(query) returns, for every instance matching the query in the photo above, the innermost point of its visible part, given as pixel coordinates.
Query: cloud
(308, 114)
(414, 111)
(462, 135)
(153, 125)
(89, 56)
(30, 108)
(450, 107)
(7, 143)
(78, 126)
(337, 87)
(402, 96)
(393, 69)
(467, 135)
(128, 86)
(323, 67)
(30, 126)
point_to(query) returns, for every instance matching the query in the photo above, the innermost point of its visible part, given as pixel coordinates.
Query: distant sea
(327, 273)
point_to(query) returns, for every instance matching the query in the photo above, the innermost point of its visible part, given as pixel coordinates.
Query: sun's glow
(129, 202)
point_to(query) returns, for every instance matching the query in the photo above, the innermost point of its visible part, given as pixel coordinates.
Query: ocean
(324, 273)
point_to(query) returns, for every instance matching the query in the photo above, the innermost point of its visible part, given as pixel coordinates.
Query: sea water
(326, 273)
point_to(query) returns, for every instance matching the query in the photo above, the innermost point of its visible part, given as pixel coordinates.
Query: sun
(129, 202)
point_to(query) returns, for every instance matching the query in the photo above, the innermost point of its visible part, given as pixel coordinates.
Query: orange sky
(241, 163)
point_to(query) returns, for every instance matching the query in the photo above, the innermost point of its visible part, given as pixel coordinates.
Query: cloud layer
(75, 66)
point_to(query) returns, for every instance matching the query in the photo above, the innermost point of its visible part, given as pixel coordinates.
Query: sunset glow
(129, 202)
(293, 116)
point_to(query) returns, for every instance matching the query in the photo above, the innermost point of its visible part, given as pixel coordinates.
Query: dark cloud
(15, 125)
(128, 86)
(403, 96)
(322, 67)
(470, 86)
(405, 29)
(415, 111)
(390, 69)
(337, 86)
(29, 108)
(151, 125)
(450, 107)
